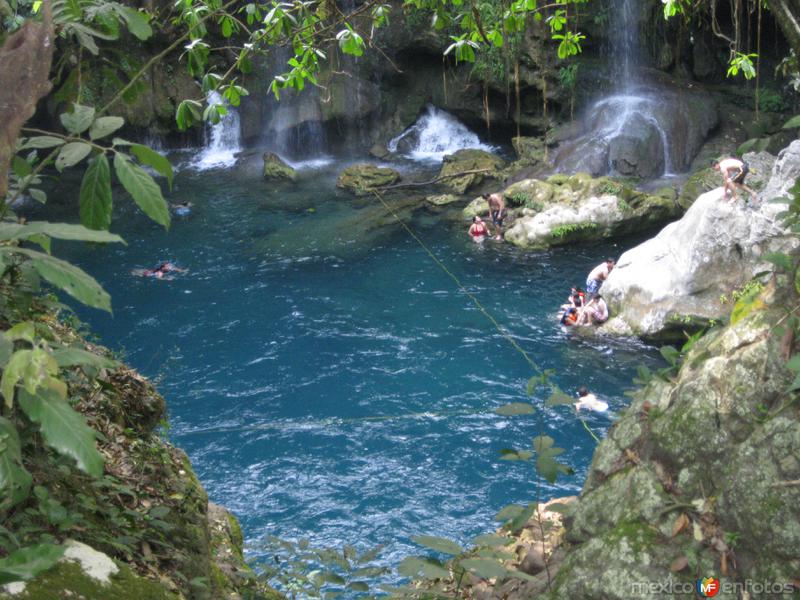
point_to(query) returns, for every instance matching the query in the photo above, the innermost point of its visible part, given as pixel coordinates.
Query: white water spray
(223, 140)
(436, 134)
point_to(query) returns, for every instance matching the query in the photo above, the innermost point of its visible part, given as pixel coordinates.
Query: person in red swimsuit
(478, 229)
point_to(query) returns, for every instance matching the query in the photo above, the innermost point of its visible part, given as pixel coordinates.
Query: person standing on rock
(497, 212)
(598, 275)
(733, 173)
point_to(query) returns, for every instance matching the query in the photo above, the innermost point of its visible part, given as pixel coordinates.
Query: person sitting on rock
(598, 275)
(589, 401)
(570, 316)
(497, 212)
(478, 229)
(733, 173)
(576, 297)
(595, 312)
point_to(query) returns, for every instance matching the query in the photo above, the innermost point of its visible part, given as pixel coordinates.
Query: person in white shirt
(595, 312)
(589, 401)
(733, 173)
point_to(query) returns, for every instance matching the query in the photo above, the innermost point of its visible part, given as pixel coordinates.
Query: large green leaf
(486, 568)
(105, 126)
(792, 123)
(15, 481)
(437, 543)
(150, 157)
(515, 408)
(26, 563)
(71, 154)
(75, 357)
(41, 141)
(60, 231)
(13, 372)
(71, 279)
(137, 22)
(143, 188)
(79, 119)
(63, 428)
(95, 196)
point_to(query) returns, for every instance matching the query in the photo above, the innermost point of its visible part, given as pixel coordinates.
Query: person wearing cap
(478, 229)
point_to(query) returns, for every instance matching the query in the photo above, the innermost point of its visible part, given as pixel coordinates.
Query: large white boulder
(681, 275)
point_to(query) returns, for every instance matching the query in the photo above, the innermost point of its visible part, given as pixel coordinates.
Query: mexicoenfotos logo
(707, 587)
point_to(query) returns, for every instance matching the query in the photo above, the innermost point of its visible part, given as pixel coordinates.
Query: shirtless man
(497, 212)
(595, 312)
(733, 173)
(598, 275)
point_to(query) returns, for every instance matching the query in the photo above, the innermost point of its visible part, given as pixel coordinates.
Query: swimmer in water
(589, 401)
(182, 208)
(162, 270)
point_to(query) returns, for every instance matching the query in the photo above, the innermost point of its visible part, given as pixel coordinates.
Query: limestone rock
(785, 172)
(679, 276)
(469, 160)
(442, 199)
(529, 149)
(362, 178)
(566, 209)
(275, 168)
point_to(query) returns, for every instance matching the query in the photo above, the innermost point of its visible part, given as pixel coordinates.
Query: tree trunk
(787, 14)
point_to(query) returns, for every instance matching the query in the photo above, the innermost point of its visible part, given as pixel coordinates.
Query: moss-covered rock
(276, 168)
(477, 164)
(570, 208)
(361, 179)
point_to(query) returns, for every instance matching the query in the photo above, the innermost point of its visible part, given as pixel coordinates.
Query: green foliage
(571, 228)
(743, 63)
(525, 200)
(771, 101)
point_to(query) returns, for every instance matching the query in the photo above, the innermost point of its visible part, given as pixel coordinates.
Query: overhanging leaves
(64, 429)
(27, 563)
(15, 481)
(60, 231)
(143, 189)
(150, 157)
(437, 543)
(95, 195)
(76, 282)
(515, 408)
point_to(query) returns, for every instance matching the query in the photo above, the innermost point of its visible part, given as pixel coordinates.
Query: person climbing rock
(478, 229)
(733, 173)
(598, 275)
(497, 212)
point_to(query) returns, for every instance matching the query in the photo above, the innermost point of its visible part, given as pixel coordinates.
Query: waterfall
(634, 131)
(435, 135)
(223, 140)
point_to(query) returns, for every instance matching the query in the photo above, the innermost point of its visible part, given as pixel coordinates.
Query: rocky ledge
(687, 275)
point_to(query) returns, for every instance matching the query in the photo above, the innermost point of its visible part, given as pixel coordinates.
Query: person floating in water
(478, 229)
(733, 173)
(161, 271)
(572, 309)
(589, 401)
(595, 312)
(497, 212)
(598, 275)
(182, 208)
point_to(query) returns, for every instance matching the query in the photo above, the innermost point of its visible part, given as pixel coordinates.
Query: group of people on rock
(580, 312)
(497, 214)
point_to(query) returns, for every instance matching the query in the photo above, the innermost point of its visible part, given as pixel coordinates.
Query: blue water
(325, 376)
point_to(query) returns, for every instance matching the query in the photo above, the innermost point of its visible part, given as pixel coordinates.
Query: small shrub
(526, 200)
(565, 230)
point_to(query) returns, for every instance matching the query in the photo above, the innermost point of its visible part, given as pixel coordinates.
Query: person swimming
(161, 270)
(182, 208)
(589, 401)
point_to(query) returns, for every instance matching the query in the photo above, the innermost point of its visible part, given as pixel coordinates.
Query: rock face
(565, 209)
(679, 276)
(698, 478)
(360, 179)
(469, 160)
(690, 482)
(275, 168)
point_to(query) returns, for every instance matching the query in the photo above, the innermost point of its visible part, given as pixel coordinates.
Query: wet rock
(681, 277)
(530, 150)
(533, 562)
(442, 199)
(565, 209)
(469, 160)
(275, 168)
(360, 179)
(379, 151)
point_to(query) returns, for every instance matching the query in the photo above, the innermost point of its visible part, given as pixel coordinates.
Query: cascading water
(643, 130)
(223, 140)
(436, 134)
